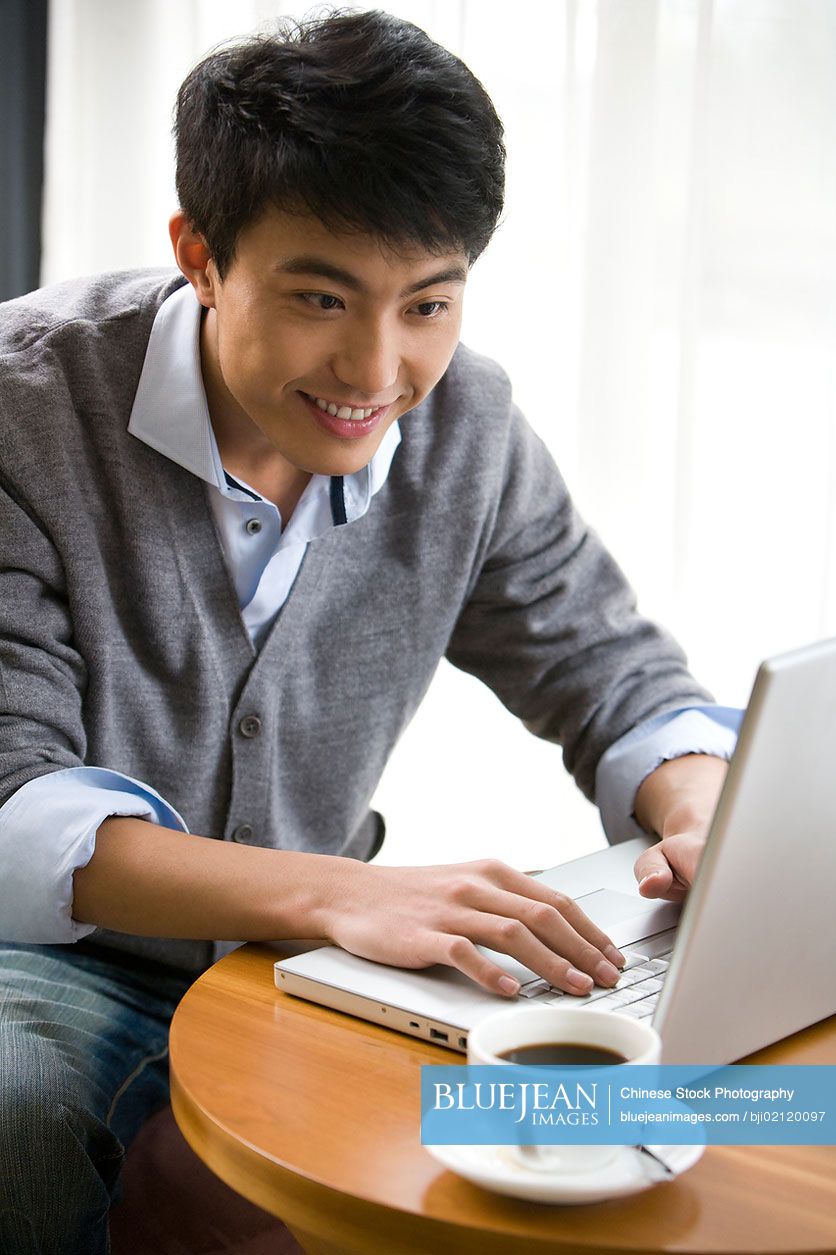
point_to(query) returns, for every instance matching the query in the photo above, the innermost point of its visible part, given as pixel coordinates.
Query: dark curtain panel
(22, 112)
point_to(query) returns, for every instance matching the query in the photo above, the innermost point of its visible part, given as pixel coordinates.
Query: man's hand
(667, 870)
(417, 916)
(677, 801)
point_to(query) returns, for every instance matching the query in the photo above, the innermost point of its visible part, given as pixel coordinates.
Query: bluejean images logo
(542, 1102)
(667, 1105)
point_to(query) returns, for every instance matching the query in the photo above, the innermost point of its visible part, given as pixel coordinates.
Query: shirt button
(250, 725)
(242, 833)
(253, 526)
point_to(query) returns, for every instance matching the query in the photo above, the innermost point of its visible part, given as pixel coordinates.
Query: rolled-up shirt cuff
(694, 730)
(48, 831)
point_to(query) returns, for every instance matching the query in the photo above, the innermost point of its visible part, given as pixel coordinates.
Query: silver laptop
(751, 958)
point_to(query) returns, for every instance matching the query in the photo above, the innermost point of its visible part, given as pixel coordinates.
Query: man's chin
(344, 458)
(338, 466)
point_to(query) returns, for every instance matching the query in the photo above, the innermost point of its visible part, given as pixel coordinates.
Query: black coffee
(565, 1053)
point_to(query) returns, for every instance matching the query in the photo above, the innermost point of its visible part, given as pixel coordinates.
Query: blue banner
(662, 1104)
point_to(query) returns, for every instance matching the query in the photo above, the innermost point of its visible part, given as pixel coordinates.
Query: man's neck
(282, 485)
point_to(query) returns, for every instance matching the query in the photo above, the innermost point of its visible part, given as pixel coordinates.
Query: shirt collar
(171, 415)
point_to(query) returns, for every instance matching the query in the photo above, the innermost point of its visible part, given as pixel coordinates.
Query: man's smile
(344, 421)
(342, 409)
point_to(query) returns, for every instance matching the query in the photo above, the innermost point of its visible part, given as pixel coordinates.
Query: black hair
(357, 118)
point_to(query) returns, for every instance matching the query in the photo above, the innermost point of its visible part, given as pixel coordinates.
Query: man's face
(315, 343)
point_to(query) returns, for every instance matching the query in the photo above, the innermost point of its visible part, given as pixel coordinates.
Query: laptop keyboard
(636, 993)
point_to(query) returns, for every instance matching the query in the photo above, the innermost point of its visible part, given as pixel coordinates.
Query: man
(246, 508)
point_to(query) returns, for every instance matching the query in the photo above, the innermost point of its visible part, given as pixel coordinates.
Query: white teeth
(343, 411)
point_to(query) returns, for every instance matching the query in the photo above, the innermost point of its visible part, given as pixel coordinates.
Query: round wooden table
(315, 1116)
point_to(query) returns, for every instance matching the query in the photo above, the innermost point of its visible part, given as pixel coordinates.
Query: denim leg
(83, 1063)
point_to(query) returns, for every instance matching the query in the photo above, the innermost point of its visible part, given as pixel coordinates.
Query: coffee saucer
(629, 1172)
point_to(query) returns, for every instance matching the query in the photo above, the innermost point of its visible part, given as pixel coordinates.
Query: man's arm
(48, 829)
(152, 881)
(676, 802)
(551, 624)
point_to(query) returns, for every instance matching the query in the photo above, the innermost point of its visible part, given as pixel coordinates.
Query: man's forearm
(156, 882)
(681, 794)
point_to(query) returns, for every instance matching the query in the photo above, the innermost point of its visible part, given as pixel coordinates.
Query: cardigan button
(250, 725)
(243, 832)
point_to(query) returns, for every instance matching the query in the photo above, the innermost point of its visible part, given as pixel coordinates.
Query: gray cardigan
(121, 640)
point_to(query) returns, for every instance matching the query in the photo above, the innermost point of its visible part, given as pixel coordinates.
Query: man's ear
(193, 258)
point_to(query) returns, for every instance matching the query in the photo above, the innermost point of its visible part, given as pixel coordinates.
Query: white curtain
(662, 292)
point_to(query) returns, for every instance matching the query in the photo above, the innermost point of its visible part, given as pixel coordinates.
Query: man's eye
(321, 300)
(431, 309)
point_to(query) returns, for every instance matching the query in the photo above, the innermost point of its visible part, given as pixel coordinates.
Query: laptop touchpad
(627, 918)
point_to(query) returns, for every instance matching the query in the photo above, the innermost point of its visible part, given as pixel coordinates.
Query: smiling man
(245, 509)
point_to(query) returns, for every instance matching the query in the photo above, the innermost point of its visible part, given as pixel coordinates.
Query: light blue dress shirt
(51, 822)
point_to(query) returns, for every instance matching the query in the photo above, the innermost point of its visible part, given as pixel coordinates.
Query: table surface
(315, 1116)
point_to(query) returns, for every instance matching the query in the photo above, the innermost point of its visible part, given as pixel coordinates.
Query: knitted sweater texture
(122, 643)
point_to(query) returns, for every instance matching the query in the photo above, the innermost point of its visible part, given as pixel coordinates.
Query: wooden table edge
(302, 1203)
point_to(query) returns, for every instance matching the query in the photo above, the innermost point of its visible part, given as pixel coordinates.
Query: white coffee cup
(496, 1035)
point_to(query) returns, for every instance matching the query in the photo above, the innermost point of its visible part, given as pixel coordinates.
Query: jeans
(83, 1063)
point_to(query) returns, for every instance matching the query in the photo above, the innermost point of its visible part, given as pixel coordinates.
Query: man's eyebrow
(451, 274)
(322, 269)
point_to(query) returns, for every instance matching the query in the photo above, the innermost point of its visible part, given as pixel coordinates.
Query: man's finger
(525, 888)
(650, 862)
(667, 870)
(656, 882)
(461, 953)
(559, 923)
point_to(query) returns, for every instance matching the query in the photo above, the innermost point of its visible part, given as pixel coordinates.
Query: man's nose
(368, 362)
